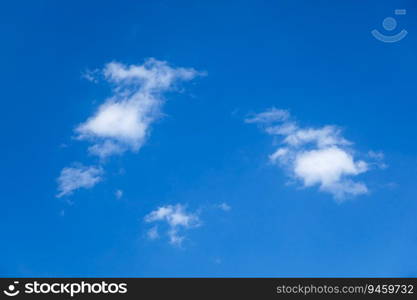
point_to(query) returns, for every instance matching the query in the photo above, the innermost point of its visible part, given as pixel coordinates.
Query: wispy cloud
(224, 206)
(76, 177)
(91, 75)
(122, 122)
(315, 156)
(378, 159)
(271, 115)
(177, 219)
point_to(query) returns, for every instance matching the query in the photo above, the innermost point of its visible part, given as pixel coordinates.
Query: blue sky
(187, 185)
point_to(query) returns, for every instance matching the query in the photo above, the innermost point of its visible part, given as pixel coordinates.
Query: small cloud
(315, 156)
(329, 168)
(177, 219)
(269, 116)
(224, 206)
(91, 75)
(76, 177)
(118, 194)
(376, 155)
(377, 158)
(123, 121)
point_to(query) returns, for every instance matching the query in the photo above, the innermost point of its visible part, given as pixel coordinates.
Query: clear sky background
(237, 212)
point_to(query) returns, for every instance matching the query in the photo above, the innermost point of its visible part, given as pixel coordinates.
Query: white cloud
(177, 219)
(328, 167)
(79, 176)
(122, 122)
(316, 156)
(323, 137)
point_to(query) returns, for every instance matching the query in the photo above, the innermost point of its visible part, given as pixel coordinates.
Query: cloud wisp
(76, 177)
(176, 218)
(224, 206)
(122, 122)
(314, 156)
